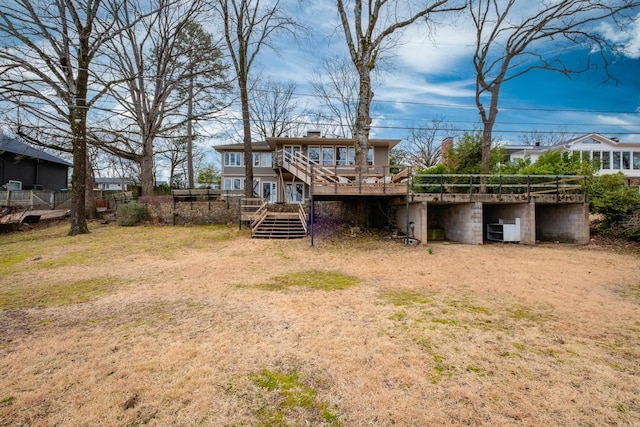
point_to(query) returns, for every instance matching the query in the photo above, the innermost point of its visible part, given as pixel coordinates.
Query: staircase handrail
(258, 216)
(303, 216)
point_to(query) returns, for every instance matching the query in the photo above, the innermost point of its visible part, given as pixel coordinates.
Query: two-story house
(291, 170)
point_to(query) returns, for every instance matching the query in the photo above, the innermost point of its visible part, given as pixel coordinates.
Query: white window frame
(319, 159)
(273, 193)
(266, 159)
(233, 184)
(331, 152)
(233, 158)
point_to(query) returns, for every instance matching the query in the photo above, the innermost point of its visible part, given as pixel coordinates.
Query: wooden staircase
(280, 225)
(266, 224)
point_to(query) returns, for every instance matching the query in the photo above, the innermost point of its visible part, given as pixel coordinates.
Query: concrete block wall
(463, 223)
(564, 223)
(417, 215)
(525, 211)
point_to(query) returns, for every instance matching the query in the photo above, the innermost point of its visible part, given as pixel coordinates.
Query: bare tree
(511, 40)
(546, 138)
(422, 144)
(248, 25)
(174, 153)
(382, 20)
(336, 86)
(158, 68)
(47, 53)
(275, 110)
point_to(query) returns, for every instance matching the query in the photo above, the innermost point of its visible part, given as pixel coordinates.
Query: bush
(619, 204)
(132, 213)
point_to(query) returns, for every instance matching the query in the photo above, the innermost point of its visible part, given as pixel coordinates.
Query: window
(291, 152)
(636, 160)
(597, 160)
(341, 156)
(256, 187)
(616, 160)
(256, 159)
(266, 160)
(626, 160)
(233, 159)
(585, 156)
(351, 156)
(233, 184)
(370, 156)
(327, 155)
(314, 154)
(294, 192)
(606, 160)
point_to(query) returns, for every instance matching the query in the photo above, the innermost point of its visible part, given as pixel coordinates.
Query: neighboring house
(612, 155)
(116, 184)
(28, 168)
(281, 165)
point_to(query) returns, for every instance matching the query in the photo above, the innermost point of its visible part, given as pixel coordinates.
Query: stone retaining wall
(163, 210)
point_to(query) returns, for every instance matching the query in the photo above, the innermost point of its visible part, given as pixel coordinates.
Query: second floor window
(233, 159)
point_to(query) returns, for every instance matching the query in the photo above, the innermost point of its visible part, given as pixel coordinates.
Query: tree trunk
(78, 116)
(90, 196)
(363, 119)
(190, 173)
(246, 128)
(146, 167)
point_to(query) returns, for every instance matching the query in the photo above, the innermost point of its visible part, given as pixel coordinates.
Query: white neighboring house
(116, 184)
(614, 156)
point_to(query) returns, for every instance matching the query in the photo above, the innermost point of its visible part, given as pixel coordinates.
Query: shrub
(619, 204)
(132, 213)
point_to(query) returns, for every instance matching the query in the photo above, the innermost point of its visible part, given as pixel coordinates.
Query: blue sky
(432, 78)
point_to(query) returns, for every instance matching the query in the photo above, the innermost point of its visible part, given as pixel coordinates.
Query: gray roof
(16, 147)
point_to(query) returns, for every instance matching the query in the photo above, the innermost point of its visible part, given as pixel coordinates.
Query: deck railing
(41, 199)
(526, 185)
(360, 180)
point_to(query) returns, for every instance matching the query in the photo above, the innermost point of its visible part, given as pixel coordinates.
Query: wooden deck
(360, 180)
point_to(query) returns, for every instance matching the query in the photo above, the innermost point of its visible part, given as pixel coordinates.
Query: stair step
(280, 225)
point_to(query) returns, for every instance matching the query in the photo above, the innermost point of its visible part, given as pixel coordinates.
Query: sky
(432, 77)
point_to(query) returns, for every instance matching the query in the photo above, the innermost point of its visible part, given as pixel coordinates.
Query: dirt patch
(188, 333)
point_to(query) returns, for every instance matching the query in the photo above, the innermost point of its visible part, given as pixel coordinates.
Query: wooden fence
(36, 199)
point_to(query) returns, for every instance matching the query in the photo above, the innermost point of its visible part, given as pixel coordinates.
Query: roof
(591, 137)
(271, 143)
(256, 146)
(14, 146)
(314, 140)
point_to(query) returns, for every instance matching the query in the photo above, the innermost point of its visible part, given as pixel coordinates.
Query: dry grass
(207, 327)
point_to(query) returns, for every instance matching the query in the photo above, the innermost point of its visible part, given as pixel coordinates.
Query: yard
(203, 326)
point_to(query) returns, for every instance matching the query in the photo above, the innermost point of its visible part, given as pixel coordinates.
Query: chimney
(314, 134)
(445, 146)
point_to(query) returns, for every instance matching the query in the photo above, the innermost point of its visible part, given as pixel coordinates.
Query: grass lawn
(204, 326)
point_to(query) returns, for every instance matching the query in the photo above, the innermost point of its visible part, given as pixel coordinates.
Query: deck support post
(406, 240)
(312, 213)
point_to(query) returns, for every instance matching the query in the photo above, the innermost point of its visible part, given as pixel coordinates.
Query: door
(269, 191)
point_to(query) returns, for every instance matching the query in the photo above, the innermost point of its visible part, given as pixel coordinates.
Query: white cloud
(628, 40)
(441, 54)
